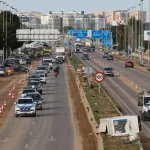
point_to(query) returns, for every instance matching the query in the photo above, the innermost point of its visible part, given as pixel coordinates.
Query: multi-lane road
(52, 128)
(125, 96)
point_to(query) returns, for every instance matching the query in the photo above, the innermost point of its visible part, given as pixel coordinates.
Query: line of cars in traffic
(15, 63)
(30, 100)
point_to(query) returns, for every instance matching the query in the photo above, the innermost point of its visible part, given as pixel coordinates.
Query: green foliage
(12, 25)
(66, 28)
(122, 34)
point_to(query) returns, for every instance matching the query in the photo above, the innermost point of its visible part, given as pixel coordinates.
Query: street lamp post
(128, 32)
(3, 30)
(1, 56)
(142, 21)
(6, 31)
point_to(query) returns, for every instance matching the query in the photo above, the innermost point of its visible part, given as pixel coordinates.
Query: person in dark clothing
(57, 69)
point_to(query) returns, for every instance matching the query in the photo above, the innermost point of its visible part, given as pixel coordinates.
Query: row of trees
(125, 35)
(13, 23)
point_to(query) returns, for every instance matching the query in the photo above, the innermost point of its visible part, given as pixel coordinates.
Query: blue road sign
(148, 33)
(81, 35)
(66, 44)
(106, 34)
(107, 43)
(97, 34)
(81, 31)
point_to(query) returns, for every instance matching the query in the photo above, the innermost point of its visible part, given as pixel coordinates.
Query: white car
(43, 78)
(25, 106)
(22, 61)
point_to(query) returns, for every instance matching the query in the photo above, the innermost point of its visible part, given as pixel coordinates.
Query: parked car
(108, 71)
(129, 64)
(20, 68)
(105, 55)
(85, 56)
(110, 57)
(3, 71)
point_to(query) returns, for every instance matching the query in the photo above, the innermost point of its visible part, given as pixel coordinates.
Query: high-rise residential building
(55, 22)
(57, 13)
(122, 15)
(44, 19)
(69, 20)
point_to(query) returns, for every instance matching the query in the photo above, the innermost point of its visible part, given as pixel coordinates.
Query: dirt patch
(89, 140)
(6, 85)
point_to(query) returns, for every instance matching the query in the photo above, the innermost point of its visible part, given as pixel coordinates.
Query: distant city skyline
(45, 6)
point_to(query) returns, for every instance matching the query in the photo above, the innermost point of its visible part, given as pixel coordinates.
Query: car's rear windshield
(35, 96)
(85, 55)
(42, 75)
(41, 68)
(34, 83)
(108, 68)
(28, 91)
(25, 101)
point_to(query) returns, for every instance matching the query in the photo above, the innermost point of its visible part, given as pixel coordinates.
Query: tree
(11, 41)
(124, 35)
(66, 28)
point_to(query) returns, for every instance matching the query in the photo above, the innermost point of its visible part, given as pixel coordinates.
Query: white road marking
(52, 139)
(26, 146)
(30, 133)
(33, 123)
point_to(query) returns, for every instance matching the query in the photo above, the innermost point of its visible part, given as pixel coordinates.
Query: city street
(52, 128)
(125, 97)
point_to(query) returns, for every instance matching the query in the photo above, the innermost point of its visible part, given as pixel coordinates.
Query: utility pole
(142, 21)
(132, 37)
(149, 40)
(6, 32)
(139, 42)
(128, 32)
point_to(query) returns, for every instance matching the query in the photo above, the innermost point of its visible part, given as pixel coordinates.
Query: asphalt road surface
(51, 129)
(141, 78)
(126, 97)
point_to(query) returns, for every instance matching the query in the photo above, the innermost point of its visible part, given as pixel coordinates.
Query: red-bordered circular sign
(99, 76)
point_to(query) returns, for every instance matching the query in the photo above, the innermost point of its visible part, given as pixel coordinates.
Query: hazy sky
(78, 5)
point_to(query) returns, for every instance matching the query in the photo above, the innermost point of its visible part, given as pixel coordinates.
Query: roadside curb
(86, 105)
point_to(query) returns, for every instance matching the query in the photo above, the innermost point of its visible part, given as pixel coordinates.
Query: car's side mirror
(140, 104)
(41, 98)
(15, 103)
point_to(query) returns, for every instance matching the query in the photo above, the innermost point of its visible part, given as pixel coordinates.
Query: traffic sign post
(99, 77)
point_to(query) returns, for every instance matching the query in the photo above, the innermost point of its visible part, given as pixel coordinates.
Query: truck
(60, 52)
(144, 103)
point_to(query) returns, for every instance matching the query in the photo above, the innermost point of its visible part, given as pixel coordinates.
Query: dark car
(85, 56)
(35, 85)
(110, 57)
(20, 68)
(92, 48)
(105, 55)
(36, 98)
(108, 71)
(59, 61)
(129, 64)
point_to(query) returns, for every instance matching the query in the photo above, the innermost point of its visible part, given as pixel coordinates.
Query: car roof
(28, 88)
(25, 98)
(33, 93)
(108, 68)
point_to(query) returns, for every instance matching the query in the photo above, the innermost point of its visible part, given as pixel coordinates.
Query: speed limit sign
(99, 76)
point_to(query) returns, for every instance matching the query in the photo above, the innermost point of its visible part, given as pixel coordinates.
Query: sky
(88, 6)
